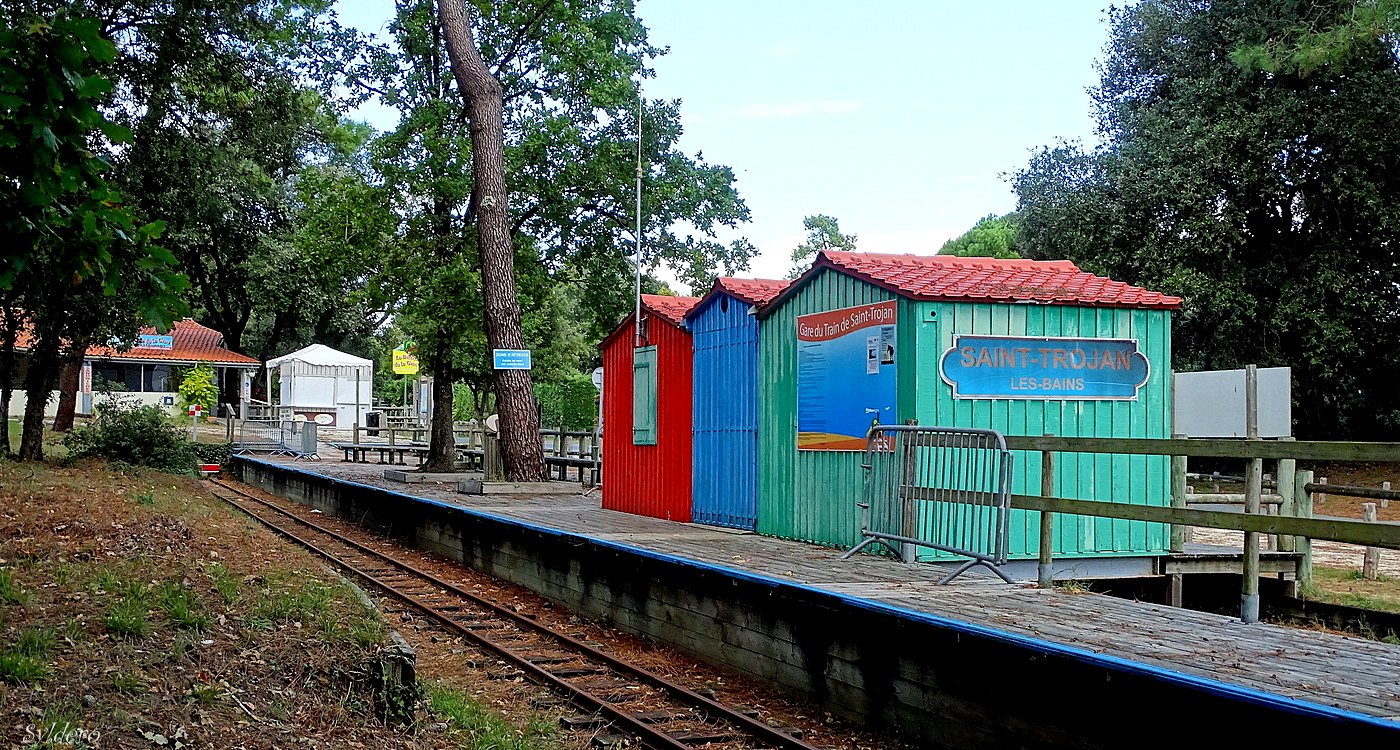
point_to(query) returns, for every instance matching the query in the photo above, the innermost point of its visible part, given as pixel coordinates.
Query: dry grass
(134, 608)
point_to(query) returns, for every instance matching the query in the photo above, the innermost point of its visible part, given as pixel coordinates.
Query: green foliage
(212, 453)
(226, 582)
(197, 386)
(991, 237)
(36, 642)
(571, 403)
(477, 726)
(823, 233)
(1262, 198)
(19, 669)
(128, 617)
(10, 590)
(182, 607)
(137, 435)
(1324, 42)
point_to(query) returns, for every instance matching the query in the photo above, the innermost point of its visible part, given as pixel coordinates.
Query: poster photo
(845, 375)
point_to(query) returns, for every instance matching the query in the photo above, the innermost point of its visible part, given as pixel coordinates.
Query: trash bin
(372, 421)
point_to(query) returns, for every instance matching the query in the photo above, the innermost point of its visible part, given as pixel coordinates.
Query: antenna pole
(637, 237)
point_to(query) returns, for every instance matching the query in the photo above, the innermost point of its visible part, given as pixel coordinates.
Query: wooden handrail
(1379, 534)
(1304, 450)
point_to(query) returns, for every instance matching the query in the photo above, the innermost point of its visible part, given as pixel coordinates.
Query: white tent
(325, 386)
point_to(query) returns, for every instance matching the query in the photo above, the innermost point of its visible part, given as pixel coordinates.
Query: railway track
(627, 704)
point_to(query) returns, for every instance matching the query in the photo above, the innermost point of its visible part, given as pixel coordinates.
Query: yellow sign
(405, 363)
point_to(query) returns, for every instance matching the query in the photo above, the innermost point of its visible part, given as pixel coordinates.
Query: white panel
(1211, 404)
(312, 391)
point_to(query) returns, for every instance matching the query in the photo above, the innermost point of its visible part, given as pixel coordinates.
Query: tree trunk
(442, 444)
(9, 331)
(39, 383)
(521, 449)
(68, 382)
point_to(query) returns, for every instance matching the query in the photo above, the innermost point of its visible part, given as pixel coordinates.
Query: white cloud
(794, 109)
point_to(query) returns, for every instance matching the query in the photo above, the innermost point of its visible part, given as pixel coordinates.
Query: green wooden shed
(1020, 346)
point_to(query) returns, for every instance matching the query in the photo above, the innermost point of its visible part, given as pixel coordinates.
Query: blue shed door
(724, 485)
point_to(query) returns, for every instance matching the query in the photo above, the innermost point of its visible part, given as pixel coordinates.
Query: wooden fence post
(1287, 468)
(1253, 490)
(1045, 575)
(1303, 508)
(1178, 532)
(1371, 561)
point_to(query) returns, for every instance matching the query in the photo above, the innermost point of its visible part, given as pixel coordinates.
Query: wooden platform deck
(1352, 674)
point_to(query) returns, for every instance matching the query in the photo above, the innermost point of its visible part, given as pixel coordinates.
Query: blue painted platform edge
(1049, 648)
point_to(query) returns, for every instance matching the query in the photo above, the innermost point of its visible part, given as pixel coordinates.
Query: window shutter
(644, 396)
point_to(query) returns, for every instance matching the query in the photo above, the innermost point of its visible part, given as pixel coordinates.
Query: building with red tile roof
(148, 371)
(668, 308)
(953, 278)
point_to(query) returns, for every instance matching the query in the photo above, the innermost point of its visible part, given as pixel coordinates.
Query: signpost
(598, 426)
(511, 359)
(195, 410)
(405, 363)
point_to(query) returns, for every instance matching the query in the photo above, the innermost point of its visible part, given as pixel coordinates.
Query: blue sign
(511, 359)
(1045, 368)
(154, 341)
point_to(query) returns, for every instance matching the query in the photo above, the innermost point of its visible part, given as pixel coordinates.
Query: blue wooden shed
(724, 331)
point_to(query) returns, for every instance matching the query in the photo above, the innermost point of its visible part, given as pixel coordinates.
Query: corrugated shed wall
(807, 495)
(648, 480)
(1132, 479)
(725, 473)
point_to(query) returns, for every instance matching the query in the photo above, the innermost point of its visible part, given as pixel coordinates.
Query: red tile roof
(752, 291)
(950, 277)
(192, 342)
(671, 309)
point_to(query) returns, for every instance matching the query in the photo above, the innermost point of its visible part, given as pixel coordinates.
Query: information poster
(1044, 368)
(845, 375)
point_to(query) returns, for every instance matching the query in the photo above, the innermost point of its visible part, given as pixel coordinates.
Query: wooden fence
(1294, 524)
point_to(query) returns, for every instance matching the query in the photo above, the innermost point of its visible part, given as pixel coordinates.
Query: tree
(79, 265)
(1266, 198)
(1323, 39)
(991, 237)
(569, 123)
(521, 449)
(823, 233)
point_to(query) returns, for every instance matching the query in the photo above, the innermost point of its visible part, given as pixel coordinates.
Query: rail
(570, 666)
(1294, 526)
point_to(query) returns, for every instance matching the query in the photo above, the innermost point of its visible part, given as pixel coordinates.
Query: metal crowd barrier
(944, 488)
(277, 437)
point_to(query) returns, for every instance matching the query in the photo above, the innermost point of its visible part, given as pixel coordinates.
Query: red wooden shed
(647, 411)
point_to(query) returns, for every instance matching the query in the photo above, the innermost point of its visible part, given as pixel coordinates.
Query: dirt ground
(1334, 554)
(136, 611)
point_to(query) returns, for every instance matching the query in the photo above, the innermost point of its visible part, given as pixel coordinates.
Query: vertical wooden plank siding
(1133, 479)
(725, 434)
(648, 480)
(806, 495)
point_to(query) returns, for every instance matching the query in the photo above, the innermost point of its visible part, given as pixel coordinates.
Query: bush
(197, 387)
(213, 453)
(137, 435)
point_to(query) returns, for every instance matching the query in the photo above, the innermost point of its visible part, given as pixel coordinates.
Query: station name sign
(1044, 368)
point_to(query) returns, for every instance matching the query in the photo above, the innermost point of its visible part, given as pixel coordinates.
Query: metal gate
(944, 488)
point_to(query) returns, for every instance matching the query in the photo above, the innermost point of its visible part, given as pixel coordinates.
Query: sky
(901, 119)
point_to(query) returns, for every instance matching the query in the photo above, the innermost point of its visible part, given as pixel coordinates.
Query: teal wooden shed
(1023, 347)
